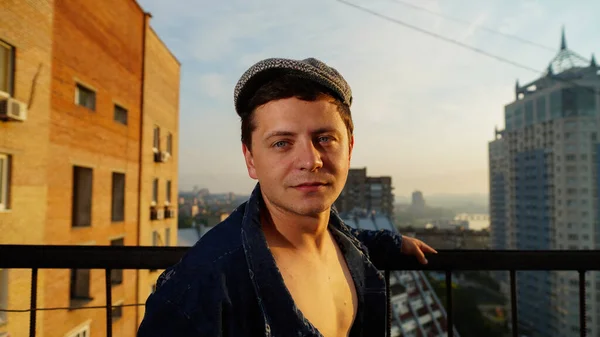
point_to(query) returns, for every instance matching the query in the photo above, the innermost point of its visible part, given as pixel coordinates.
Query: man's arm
(163, 319)
(186, 305)
(384, 245)
(381, 244)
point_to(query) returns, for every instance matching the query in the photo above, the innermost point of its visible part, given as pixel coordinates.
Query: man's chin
(312, 208)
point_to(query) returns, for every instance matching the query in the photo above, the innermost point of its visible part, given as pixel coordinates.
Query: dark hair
(286, 86)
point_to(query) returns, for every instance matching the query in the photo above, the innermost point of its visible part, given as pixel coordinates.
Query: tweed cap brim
(310, 68)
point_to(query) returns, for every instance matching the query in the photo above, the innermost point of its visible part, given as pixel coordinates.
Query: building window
(155, 238)
(168, 237)
(170, 143)
(82, 197)
(155, 191)
(3, 294)
(117, 310)
(120, 115)
(7, 68)
(85, 97)
(118, 197)
(83, 331)
(116, 275)
(4, 181)
(168, 193)
(156, 139)
(80, 284)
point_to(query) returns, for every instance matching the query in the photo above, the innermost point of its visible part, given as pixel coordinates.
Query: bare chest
(322, 289)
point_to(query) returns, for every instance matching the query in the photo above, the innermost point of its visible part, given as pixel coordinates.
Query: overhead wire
(462, 44)
(479, 27)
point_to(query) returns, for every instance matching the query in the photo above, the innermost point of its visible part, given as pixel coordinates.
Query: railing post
(513, 303)
(389, 303)
(33, 302)
(449, 315)
(107, 277)
(582, 313)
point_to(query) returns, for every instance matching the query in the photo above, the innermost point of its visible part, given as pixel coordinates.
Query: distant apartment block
(418, 202)
(366, 194)
(88, 153)
(544, 185)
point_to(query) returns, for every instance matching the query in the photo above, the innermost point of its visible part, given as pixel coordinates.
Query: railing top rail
(144, 257)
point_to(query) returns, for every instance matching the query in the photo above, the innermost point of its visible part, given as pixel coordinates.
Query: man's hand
(416, 247)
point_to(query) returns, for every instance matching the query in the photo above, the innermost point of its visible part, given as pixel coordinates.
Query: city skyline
(429, 117)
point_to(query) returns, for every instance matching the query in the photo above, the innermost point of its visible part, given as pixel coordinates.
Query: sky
(424, 109)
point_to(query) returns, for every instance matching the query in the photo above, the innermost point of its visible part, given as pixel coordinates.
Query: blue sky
(423, 109)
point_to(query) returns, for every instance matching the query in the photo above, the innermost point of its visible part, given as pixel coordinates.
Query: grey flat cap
(309, 68)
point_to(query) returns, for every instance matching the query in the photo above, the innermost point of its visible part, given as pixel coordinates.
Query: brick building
(364, 193)
(89, 96)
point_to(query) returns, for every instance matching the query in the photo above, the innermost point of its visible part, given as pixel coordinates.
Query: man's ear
(249, 159)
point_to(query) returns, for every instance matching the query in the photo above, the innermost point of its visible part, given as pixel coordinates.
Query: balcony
(111, 258)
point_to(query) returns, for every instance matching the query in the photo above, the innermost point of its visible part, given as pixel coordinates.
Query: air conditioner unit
(164, 156)
(160, 214)
(169, 213)
(153, 213)
(12, 110)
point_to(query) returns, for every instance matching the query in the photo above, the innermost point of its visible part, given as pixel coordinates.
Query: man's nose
(309, 157)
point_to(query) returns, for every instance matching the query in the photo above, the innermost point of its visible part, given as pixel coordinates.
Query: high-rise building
(88, 154)
(544, 179)
(418, 202)
(366, 194)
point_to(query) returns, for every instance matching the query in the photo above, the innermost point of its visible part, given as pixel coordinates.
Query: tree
(468, 320)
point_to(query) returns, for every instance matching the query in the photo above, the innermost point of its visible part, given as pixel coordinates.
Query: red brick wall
(98, 44)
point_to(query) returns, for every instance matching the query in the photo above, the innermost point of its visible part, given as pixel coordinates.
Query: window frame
(3, 295)
(5, 181)
(76, 198)
(116, 275)
(167, 236)
(168, 190)
(156, 138)
(10, 67)
(113, 208)
(80, 331)
(78, 88)
(74, 294)
(169, 148)
(119, 108)
(155, 183)
(117, 310)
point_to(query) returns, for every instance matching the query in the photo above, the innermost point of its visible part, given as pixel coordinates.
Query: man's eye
(324, 139)
(280, 143)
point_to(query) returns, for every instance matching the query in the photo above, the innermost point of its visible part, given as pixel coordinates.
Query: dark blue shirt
(228, 284)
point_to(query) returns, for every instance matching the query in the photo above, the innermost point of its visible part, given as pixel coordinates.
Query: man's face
(300, 154)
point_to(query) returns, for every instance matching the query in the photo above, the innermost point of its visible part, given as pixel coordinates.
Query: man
(284, 264)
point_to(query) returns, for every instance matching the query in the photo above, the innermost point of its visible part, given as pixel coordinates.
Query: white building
(416, 309)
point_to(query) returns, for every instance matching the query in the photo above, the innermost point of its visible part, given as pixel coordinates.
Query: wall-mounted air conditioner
(12, 110)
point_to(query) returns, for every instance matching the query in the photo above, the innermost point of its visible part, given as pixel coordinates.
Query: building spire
(593, 62)
(563, 39)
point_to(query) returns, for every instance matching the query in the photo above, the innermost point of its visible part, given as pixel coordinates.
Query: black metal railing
(152, 258)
